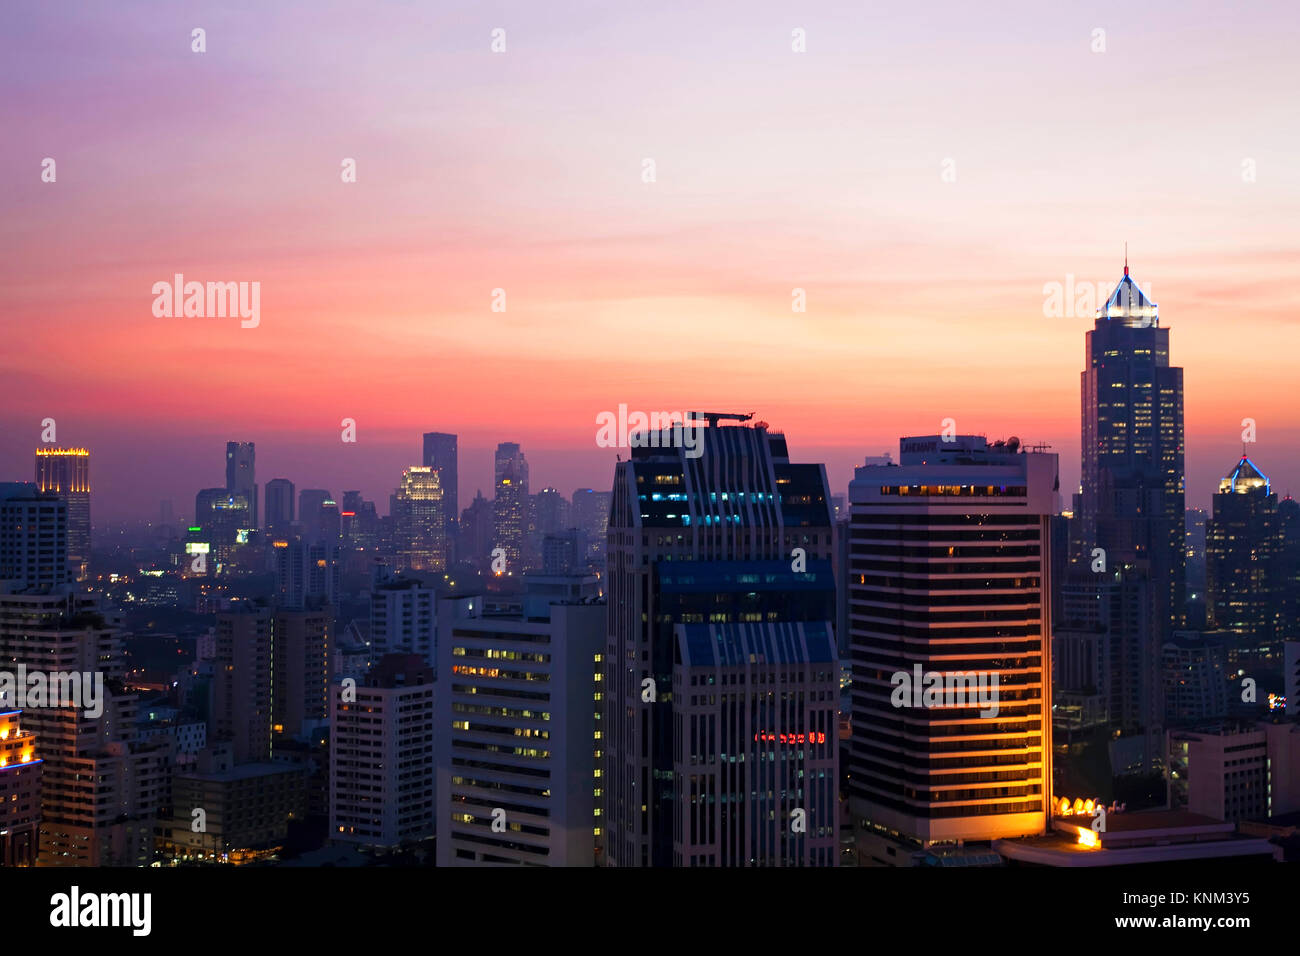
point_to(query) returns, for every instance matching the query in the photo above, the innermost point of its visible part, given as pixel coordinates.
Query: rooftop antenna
(1126, 257)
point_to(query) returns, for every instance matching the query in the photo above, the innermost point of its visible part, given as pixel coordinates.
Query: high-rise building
(33, 537)
(243, 657)
(20, 791)
(1242, 550)
(590, 512)
(279, 505)
(721, 598)
(510, 507)
(313, 510)
(224, 517)
(302, 641)
(517, 780)
(382, 756)
(241, 475)
(476, 532)
(418, 523)
(440, 455)
(307, 574)
(949, 558)
(66, 473)
(1132, 504)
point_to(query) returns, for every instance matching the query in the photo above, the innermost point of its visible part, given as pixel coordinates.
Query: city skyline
(522, 171)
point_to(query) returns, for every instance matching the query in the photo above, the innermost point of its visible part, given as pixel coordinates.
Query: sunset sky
(522, 171)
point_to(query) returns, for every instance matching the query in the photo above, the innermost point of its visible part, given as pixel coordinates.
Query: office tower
(360, 522)
(476, 532)
(1242, 549)
(515, 728)
(241, 475)
(552, 511)
(101, 785)
(279, 505)
(726, 543)
(590, 512)
(440, 455)
(33, 537)
(1195, 528)
(1132, 500)
(241, 688)
(302, 641)
(949, 560)
(312, 504)
(307, 574)
(224, 518)
(510, 506)
(418, 523)
(66, 473)
(382, 756)
(20, 791)
(1287, 566)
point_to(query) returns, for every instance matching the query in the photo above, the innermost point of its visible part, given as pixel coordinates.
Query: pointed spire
(1126, 257)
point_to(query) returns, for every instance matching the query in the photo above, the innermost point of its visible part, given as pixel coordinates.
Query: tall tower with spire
(1132, 501)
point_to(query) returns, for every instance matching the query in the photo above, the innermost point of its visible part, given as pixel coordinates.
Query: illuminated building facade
(419, 528)
(1243, 550)
(517, 779)
(20, 791)
(382, 756)
(948, 569)
(709, 539)
(510, 507)
(66, 473)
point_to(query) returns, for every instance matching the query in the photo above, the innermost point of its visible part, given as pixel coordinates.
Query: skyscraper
(510, 507)
(1132, 500)
(279, 505)
(948, 570)
(66, 473)
(440, 455)
(20, 791)
(241, 476)
(721, 599)
(1243, 551)
(419, 528)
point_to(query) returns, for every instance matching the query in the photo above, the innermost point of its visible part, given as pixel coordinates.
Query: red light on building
(810, 738)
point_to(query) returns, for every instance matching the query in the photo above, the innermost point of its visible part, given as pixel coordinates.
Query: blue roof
(735, 644)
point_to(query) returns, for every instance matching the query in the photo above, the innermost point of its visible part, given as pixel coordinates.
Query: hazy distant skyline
(522, 171)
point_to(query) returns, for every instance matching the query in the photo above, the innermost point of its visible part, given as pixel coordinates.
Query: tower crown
(1129, 304)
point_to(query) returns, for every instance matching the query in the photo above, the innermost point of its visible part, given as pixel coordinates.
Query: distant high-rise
(33, 537)
(720, 678)
(948, 575)
(476, 531)
(1242, 550)
(279, 504)
(510, 506)
(241, 476)
(221, 515)
(440, 455)
(419, 529)
(590, 512)
(313, 505)
(66, 473)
